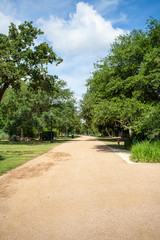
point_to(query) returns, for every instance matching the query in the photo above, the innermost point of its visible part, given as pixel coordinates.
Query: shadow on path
(102, 148)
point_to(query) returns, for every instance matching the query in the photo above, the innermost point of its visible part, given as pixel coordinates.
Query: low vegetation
(146, 151)
(3, 136)
(14, 154)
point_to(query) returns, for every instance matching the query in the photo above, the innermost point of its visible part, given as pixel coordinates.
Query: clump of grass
(3, 136)
(146, 151)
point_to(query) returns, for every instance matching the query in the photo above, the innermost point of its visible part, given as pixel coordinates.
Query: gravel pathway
(80, 190)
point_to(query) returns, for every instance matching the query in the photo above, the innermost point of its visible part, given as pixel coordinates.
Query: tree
(21, 59)
(125, 86)
(26, 113)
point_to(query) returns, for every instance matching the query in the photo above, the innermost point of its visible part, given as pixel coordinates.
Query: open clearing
(80, 190)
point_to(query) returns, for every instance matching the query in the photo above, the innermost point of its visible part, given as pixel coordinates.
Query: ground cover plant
(146, 151)
(14, 154)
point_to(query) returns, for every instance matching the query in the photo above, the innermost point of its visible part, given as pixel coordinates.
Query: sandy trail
(80, 190)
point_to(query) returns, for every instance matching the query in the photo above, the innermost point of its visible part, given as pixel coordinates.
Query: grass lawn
(14, 154)
(112, 142)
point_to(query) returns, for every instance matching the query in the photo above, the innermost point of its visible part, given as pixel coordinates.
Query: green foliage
(149, 122)
(146, 151)
(4, 136)
(27, 113)
(21, 59)
(124, 90)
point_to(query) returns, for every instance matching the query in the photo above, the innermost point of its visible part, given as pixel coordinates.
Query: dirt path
(80, 191)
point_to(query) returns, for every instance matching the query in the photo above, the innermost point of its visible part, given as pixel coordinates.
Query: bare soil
(80, 190)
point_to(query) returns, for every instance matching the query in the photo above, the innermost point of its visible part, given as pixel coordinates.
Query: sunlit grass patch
(14, 154)
(146, 151)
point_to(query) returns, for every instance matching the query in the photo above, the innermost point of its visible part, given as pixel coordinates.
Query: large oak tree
(21, 58)
(124, 90)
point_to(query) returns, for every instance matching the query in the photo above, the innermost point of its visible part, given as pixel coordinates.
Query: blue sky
(79, 31)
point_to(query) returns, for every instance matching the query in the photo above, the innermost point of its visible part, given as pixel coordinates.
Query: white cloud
(81, 40)
(5, 22)
(86, 31)
(121, 18)
(104, 6)
(74, 70)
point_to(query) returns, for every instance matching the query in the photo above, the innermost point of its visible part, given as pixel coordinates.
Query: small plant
(146, 151)
(4, 136)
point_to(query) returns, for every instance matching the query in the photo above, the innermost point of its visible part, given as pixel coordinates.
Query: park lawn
(112, 142)
(14, 154)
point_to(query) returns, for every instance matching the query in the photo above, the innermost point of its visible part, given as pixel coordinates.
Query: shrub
(4, 136)
(146, 151)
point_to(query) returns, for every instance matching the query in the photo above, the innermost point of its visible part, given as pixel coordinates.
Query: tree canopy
(21, 58)
(26, 113)
(124, 90)
(28, 94)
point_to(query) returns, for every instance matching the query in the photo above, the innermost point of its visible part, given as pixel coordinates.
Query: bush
(3, 136)
(46, 136)
(146, 151)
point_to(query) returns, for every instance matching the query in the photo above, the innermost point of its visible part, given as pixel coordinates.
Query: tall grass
(146, 151)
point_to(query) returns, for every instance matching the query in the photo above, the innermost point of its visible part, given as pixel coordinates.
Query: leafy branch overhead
(21, 58)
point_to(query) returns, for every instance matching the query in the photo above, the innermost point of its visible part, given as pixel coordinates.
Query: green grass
(112, 142)
(146, 152)
(14, 154)
(3, 136)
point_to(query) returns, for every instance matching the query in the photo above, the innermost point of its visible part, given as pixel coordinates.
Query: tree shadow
(110, 139)
(108, 148)
(91, 140)
(102, 148)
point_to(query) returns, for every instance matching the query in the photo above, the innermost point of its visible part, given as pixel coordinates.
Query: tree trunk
(22, 133)
(108, 133)
(3, 89)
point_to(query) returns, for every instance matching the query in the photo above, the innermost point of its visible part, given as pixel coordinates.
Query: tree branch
(3, 89)
(124, 126)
